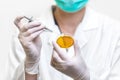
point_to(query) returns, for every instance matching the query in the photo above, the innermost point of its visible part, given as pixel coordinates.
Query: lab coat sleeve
(115, 69)
(16, 60)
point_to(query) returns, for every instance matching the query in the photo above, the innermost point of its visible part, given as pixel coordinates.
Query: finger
(34, 35)
(56, 58)
(30, 25)
(17, 21)
(76, 48)
(33, 30)
(60, 51)
(57, 62)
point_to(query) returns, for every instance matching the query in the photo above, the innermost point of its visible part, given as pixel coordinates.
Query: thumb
(61, 52)
(77, 48)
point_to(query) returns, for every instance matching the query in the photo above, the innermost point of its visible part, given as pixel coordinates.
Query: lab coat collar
(89, 23)
(90, 20)
(81, 38)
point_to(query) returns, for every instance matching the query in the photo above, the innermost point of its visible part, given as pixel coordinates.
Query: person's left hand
(74, 67)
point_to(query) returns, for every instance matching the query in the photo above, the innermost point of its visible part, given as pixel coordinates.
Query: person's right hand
(29, 38)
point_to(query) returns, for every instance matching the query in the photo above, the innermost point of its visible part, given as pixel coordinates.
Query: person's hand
(74, 67)
(30, 40)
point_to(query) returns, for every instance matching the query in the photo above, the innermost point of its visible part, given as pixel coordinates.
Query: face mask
(71, 6)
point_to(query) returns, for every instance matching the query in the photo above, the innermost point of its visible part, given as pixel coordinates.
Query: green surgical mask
(71, 6)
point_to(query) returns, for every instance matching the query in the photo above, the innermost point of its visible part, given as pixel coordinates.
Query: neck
(68, 21)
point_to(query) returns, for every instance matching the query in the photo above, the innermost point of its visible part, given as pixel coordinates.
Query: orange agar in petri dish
(65, 41)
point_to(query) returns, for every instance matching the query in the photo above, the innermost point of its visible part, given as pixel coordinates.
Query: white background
(9, 9)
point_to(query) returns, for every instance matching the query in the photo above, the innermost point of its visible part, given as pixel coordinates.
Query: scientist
(35, 55)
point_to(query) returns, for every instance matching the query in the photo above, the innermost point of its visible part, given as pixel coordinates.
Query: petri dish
(65, 41)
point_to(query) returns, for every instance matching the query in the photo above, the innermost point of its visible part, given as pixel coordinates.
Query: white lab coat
(98, 37)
